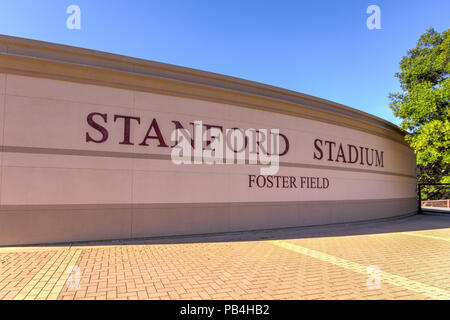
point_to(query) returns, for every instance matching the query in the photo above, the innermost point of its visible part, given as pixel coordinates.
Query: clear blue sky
(318, 47)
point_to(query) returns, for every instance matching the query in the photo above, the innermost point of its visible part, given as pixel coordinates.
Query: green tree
(423, 106)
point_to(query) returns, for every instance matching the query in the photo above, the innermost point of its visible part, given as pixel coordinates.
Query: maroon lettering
(330, 149)
(367, 157)
(261, 140)
(179, 126)
(95, 125)
(286, 144)
(126, 127)
(379, 159)
(350, 153)
(158, 136)
(341, 154)
(319, 149)
(208, 132)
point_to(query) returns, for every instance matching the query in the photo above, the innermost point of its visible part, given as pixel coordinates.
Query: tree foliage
(423, 106)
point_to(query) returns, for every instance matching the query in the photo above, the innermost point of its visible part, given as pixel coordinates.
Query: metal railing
(436, 203)
(432, 204)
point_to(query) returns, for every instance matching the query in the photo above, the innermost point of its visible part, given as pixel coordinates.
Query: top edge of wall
(44, 59)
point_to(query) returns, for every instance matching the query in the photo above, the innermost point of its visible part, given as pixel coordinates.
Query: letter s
(318, 149)
(98, 127)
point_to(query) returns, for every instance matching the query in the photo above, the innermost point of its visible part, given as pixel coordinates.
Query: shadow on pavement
(418, 222)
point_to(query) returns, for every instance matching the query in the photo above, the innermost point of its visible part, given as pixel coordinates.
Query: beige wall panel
(151, 222)
(155, 165)
(183, 187)
(48, 123)
(2, 123)
(63, 225)
(68, 91)
(254, 217)
(2, 106)
(2, 83)
(2, 117)
(45, 160)
(223, 183)
(30, 186)
(52, 225)
(190, 108)
(342, 187)
(1, 179)
(164, 182)
(165, 124)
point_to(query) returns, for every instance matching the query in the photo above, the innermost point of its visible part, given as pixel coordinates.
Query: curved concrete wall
(71, 170)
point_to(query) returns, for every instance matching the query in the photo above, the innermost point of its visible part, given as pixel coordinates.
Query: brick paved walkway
(410, 256)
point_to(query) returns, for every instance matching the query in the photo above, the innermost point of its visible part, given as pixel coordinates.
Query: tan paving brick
(413, 255)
